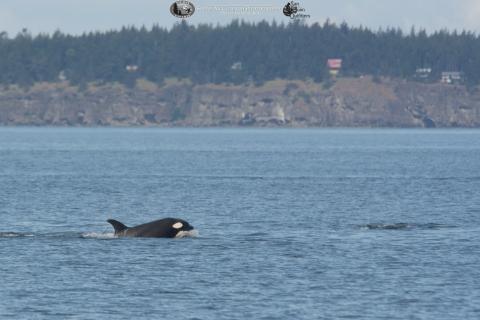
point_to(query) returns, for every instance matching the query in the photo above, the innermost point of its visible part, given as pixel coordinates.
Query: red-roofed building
(334, 66)
(334, 63)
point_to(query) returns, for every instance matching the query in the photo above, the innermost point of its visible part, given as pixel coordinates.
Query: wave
(15, 234)
(65, 235)
(404, 226)
(84, 235)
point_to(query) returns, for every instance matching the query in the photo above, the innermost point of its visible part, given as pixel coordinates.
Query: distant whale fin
(117, 225)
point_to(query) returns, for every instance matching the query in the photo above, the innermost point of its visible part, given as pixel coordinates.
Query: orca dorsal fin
(117, 225)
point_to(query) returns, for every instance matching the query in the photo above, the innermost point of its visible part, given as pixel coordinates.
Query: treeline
(237, 53)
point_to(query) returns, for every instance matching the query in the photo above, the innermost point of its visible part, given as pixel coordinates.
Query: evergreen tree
(236, 53)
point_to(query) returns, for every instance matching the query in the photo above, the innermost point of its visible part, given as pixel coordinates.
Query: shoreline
(347, 103)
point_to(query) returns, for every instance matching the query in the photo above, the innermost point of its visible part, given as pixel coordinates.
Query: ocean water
(293, 224)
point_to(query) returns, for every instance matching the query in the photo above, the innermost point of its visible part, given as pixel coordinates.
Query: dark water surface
(293, 224)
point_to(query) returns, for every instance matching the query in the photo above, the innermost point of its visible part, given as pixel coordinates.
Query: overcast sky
(77, 16)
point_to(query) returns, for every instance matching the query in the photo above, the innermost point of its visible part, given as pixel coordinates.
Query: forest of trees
(237, 53)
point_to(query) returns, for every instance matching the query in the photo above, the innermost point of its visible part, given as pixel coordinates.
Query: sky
(78, 16)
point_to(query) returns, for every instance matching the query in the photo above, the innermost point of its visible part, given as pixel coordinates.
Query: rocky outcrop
(349, 102)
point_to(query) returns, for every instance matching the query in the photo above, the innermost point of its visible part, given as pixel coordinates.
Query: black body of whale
(163, 228)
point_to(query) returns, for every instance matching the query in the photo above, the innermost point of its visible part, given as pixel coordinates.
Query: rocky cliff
(349, 102)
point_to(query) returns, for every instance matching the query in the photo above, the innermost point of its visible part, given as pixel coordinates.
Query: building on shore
(452, 77)
(423, 74)
(334, 66)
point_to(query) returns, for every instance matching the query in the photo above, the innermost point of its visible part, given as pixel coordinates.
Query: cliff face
(350, 102)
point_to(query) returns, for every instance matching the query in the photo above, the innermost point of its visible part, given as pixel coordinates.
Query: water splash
(183, 234)
(98, 235)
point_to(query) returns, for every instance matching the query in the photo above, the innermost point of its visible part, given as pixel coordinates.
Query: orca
(163, 228)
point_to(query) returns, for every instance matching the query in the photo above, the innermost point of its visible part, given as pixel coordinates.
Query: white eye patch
(178, 225)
